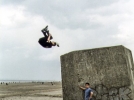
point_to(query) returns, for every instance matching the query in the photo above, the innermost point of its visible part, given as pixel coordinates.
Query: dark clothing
(43, 42)
(88, 93)
(46, 34)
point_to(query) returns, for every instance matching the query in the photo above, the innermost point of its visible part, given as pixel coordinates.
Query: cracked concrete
(109, 67)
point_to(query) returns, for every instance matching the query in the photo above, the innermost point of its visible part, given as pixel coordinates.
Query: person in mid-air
(45, 41)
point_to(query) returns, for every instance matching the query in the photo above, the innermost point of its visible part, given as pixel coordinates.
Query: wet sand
(31, 91)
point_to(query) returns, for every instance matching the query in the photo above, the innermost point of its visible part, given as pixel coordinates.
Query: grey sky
(77, 24)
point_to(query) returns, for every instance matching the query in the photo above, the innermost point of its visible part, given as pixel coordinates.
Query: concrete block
(109, 70)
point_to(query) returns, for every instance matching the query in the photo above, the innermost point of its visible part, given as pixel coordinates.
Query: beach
(31, 91)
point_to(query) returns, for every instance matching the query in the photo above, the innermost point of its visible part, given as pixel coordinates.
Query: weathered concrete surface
(109, 70)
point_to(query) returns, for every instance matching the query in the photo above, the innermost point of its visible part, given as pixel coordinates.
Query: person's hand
(48, 40)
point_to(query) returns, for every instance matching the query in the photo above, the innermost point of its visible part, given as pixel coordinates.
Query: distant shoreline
(25, 81)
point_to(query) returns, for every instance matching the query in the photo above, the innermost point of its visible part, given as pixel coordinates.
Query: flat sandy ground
(31, 91)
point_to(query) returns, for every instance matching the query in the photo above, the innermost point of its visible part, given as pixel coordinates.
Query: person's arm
(91, 95)
(82, 88)
(48, 39)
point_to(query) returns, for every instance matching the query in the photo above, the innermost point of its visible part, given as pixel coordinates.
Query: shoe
(57, 44)
(45, 29)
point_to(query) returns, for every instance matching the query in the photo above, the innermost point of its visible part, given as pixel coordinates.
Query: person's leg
(44, 33)
(45, 29)
(51, 37)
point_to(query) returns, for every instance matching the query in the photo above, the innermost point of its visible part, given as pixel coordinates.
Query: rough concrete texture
(109, 70)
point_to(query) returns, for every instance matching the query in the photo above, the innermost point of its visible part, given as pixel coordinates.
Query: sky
(74, 24)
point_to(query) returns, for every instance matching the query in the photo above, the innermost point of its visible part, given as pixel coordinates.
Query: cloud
(67, 14)
(20, 32)
(74, 24)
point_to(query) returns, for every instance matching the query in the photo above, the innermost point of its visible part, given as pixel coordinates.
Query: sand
(31, 91)
(31, 98)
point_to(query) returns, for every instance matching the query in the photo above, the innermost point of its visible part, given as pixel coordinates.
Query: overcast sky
(75, 24)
